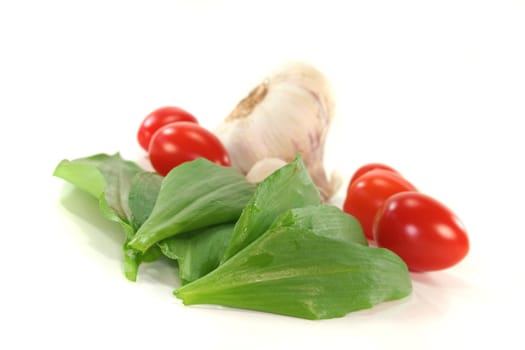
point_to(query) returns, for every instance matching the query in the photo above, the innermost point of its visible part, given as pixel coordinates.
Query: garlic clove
(288, 113)
(263, 168)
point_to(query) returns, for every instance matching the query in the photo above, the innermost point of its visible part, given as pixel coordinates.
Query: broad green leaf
(324, 220)
(84, 176)
(198, 252)
(102, 174)
(294, 271)
(288, 187)
(194, 195)
(109, 179)
(145, 188)
(143, 193)
(111, 215)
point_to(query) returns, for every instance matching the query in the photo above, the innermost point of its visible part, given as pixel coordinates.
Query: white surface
(435, 89)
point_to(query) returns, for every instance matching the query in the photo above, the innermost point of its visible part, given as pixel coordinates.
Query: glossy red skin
(180, 142)
(426, 234)
(157, 119)
(366, 195)
(368, 167)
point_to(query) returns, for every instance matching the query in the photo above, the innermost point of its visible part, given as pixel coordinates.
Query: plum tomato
(422, 231)
(157, 119)
(368, 167)
(366, 195)
(180, 142)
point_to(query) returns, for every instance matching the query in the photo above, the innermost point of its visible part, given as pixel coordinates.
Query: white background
(436, 89)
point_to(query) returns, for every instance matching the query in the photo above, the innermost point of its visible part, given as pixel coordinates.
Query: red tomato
(366, 195)
(422, 231)
(157, 119)
(180, 142)
(371, 166)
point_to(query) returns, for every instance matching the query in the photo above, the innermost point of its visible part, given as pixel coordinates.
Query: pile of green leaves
(273, 247)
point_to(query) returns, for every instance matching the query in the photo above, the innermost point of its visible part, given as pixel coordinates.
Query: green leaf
(288, 187)
(143, 193)
(145, 188)
(198, 252)
(109, 179)
(86, 177)
(111, 215)
(294, 271)
(194, 195)
(324, 220)
(109, 175)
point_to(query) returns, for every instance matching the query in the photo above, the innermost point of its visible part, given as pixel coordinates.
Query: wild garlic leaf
(288, 187)
(194, 195)
(145, 188)
(324, 220)
(82, 175)
(105, 174)
(109, 179)
(294, 271)
(198, 252)
(143, 193)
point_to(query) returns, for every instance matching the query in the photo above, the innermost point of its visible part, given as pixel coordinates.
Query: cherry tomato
(422, 231)
(366, 195)
(157, 119)
(180, 142)
(371, 166)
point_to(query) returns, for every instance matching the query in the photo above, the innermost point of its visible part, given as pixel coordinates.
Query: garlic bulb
(288, 113)
(263, 168)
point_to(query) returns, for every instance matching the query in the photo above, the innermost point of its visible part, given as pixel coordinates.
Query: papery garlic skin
(264, 168)
(288, 113)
